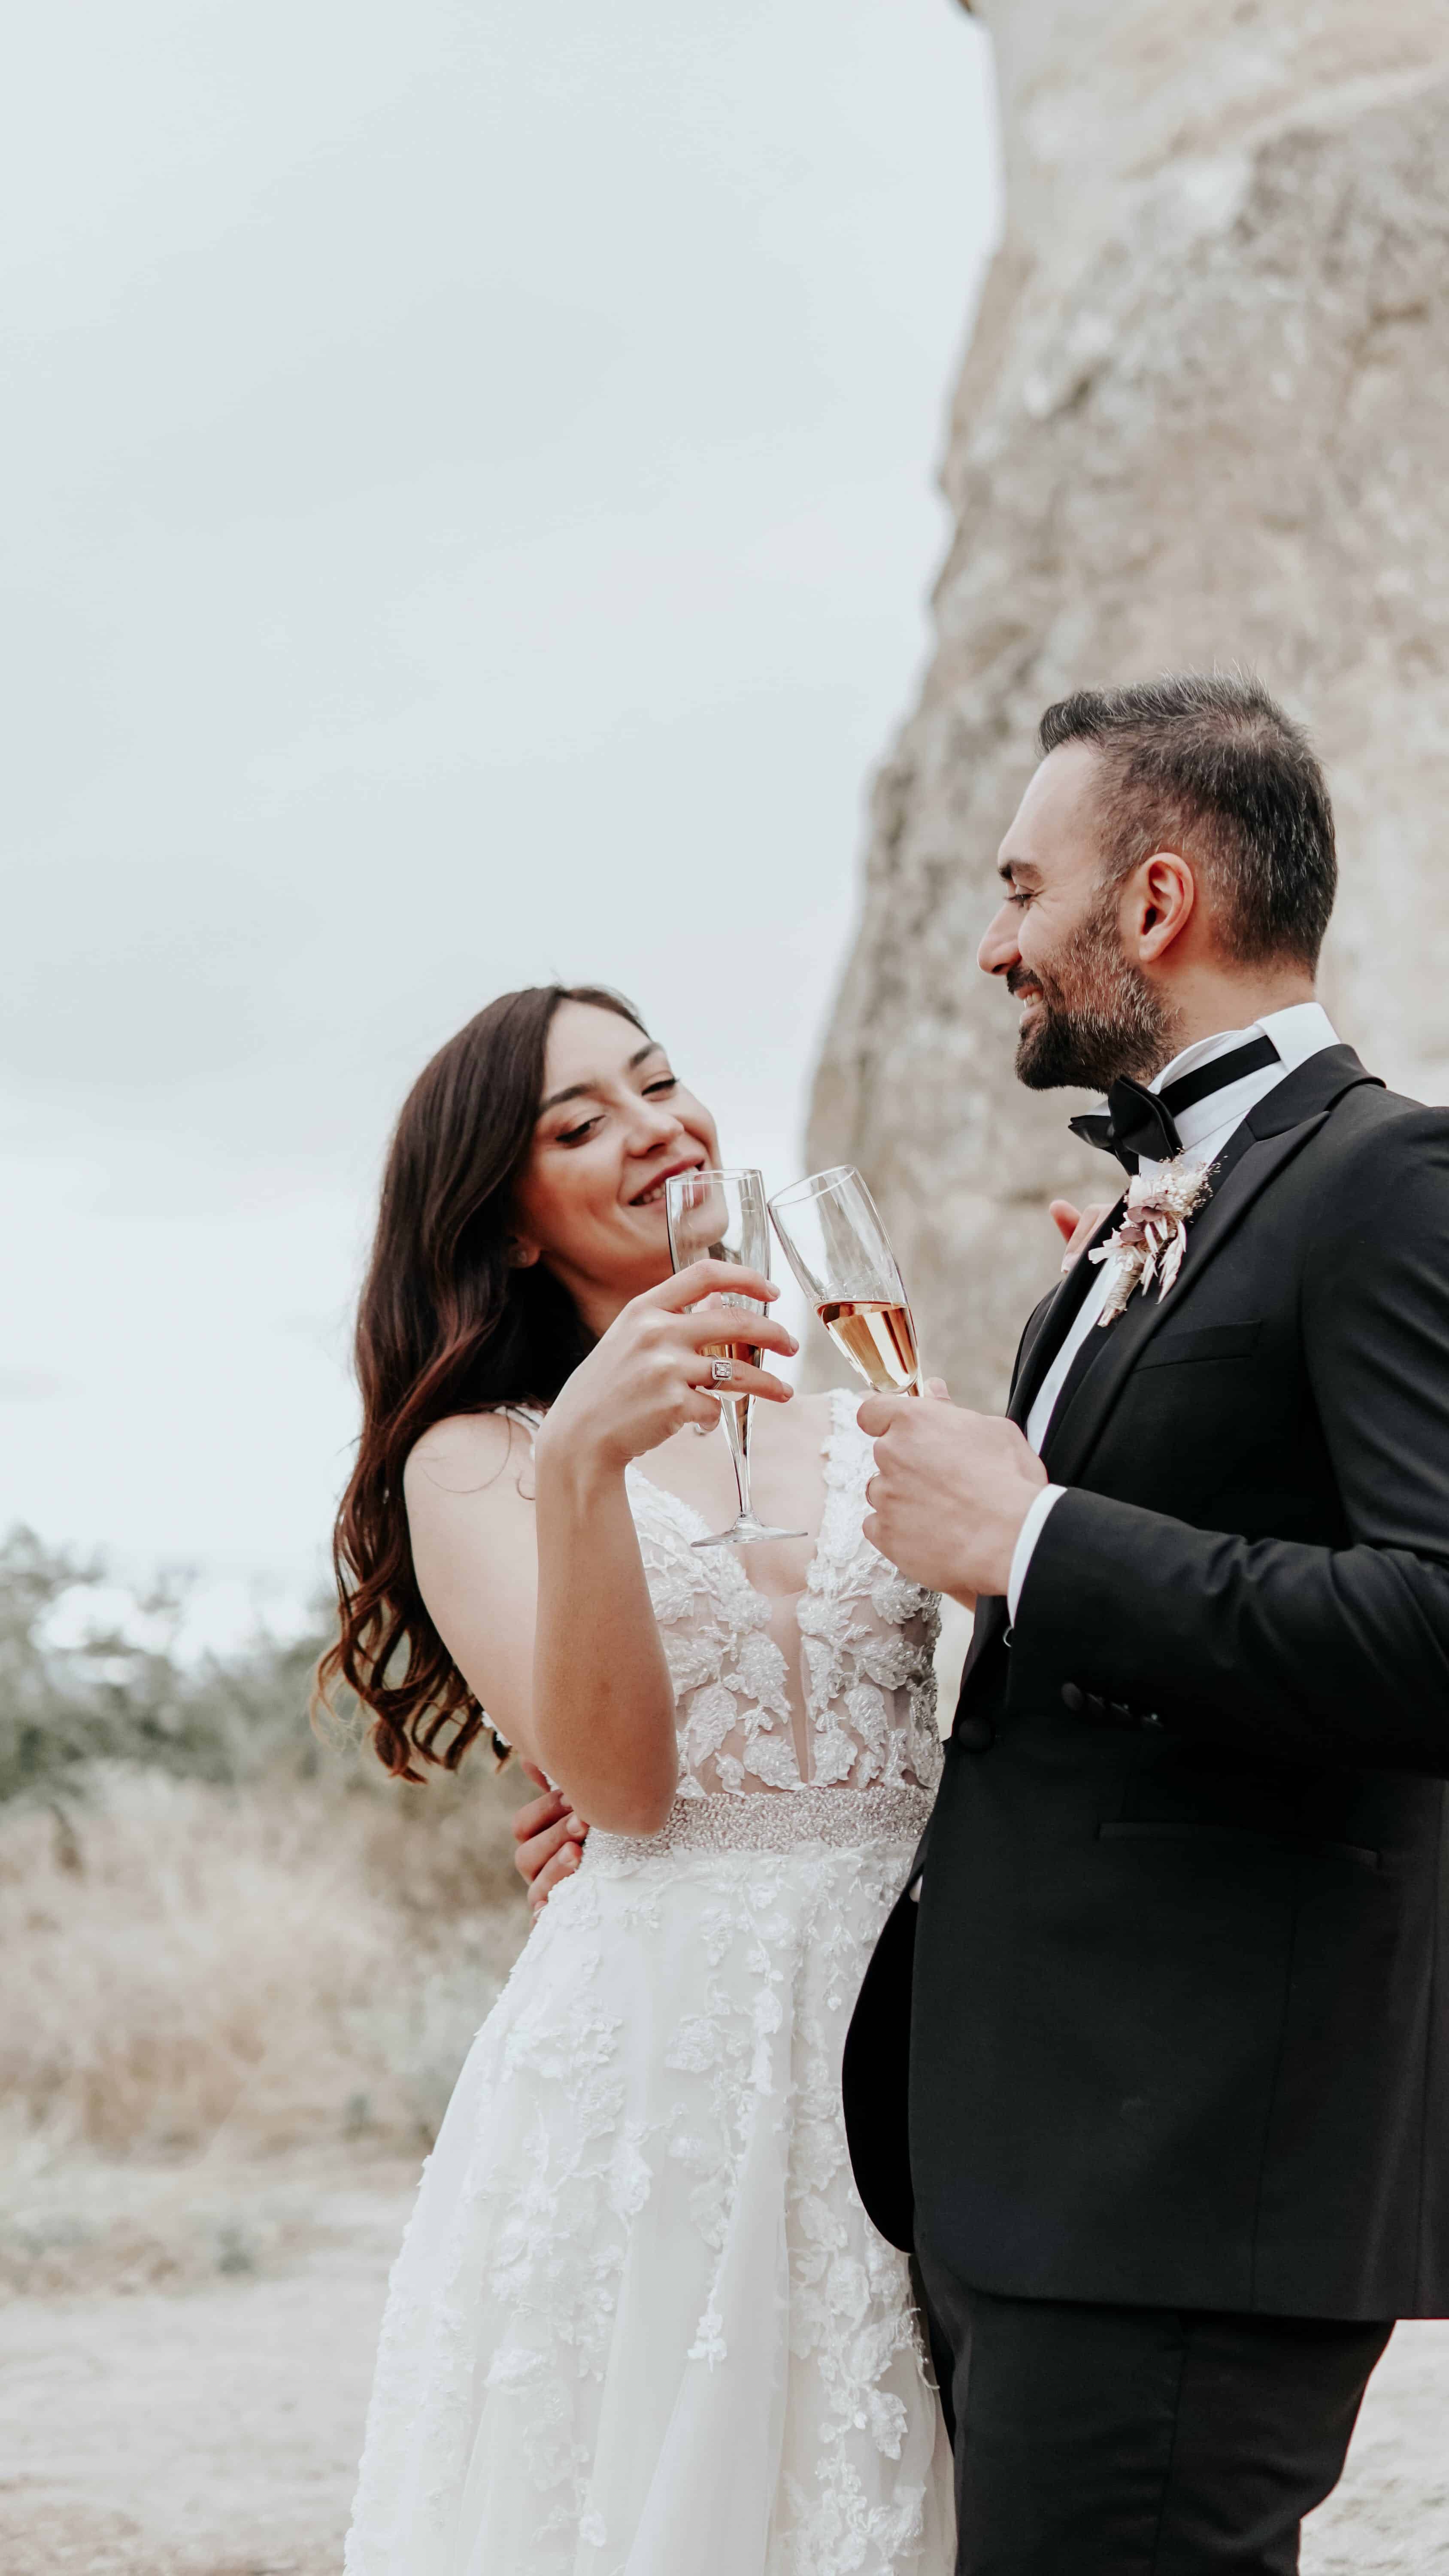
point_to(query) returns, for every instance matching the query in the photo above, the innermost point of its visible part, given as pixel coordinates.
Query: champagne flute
(721, 1216)
(840, 1252)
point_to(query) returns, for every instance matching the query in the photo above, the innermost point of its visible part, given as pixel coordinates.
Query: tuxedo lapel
(1052, 1322)
(1040, 1344)
(1262, 1147)
(1024, 1362)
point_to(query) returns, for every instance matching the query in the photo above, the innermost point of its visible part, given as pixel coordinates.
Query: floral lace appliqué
(868, 1636)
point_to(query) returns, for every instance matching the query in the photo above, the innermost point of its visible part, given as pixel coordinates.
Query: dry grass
(195, 1975)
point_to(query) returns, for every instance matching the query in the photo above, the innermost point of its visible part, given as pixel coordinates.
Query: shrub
(223, 1932)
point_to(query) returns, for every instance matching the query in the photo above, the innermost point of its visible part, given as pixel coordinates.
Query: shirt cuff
(1030, 1531)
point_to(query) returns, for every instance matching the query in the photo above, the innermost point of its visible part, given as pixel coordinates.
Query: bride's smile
(614, 1124)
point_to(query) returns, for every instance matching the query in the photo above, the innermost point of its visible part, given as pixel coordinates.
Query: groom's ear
(1158, 901)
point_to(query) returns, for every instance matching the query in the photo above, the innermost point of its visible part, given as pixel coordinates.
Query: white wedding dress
(640, 2324)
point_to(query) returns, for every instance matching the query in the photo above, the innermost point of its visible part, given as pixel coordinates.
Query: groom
(1174, 1960)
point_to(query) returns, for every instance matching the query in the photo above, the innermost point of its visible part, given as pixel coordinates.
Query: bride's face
(613, 1123)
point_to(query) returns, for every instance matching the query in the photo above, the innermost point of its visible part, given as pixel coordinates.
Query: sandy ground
(212, 2429)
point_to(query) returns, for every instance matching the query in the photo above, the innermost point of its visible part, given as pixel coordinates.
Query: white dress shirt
(1298, 1033)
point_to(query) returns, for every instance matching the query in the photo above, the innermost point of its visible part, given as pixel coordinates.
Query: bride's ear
(520, 1255)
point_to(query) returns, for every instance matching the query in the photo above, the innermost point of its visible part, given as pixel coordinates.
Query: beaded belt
(773, 1820)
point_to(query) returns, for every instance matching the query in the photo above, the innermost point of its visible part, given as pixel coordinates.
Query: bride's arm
(543, 1604)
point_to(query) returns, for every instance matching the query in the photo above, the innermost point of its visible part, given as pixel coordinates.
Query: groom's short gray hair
(1208, 763)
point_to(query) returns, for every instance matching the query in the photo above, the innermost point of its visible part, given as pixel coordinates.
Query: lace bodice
(858, 1710)
(639, 2211)
(841, 1695)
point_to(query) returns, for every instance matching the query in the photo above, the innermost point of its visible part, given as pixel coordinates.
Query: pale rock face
(1204, 418)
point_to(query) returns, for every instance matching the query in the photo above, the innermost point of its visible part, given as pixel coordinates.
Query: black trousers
(1102, 2441)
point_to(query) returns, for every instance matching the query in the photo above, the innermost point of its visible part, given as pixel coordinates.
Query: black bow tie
(1141, 1125)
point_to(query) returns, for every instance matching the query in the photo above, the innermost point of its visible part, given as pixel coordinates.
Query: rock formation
(1204, 417)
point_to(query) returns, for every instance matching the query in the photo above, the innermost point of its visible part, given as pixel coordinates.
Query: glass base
(743, 1533)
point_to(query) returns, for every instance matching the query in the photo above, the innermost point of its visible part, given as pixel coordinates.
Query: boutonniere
(1152, 1237)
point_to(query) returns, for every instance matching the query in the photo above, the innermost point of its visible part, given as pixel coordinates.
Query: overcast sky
(472, 504)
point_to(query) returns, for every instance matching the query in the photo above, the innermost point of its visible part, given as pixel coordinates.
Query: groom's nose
(999, 950)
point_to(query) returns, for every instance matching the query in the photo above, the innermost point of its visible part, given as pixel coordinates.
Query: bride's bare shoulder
(471, 1453)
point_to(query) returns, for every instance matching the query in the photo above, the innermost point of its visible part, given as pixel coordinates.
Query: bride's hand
(650, 1373)
(1077, 1226)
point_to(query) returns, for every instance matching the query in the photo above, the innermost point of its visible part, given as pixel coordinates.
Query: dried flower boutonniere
(1152, 1237)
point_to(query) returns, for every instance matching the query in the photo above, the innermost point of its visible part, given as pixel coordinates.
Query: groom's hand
(950, 1492)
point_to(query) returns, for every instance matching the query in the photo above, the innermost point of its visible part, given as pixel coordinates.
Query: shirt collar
(1304, 1029)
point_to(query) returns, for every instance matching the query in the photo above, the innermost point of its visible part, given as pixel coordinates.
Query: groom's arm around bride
(1179, 2066)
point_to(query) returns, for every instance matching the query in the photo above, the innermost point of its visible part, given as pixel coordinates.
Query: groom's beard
(1098, 1016)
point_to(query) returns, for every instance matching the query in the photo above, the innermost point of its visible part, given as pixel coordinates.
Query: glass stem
(734, 1412)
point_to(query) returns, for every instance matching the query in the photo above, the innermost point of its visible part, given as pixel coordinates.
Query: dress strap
(529, 1417)
(845, 1439)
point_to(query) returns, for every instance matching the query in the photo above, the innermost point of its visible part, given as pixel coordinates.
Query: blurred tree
(122, 1693)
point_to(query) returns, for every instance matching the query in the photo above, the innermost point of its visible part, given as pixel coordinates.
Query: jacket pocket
(1208, 1342)
(1238, 1837)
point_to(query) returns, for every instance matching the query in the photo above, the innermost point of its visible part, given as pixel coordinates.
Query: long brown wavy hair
(447, 1324)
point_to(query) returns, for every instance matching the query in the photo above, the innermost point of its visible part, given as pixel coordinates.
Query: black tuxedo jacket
(1177, 1982)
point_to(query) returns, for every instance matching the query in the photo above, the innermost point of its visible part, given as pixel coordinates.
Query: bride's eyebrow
(591, 1089)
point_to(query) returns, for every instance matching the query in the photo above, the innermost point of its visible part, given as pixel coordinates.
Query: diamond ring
(721, 1372)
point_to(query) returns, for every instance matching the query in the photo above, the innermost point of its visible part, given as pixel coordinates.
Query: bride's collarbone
(787, 1471)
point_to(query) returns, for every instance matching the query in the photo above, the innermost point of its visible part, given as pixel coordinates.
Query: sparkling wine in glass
(840, 1252)
(721, 1216)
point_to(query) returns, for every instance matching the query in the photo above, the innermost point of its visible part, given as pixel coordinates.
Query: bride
(640, 2323)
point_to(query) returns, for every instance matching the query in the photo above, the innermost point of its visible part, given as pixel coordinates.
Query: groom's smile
(1024, 987)
(1088, 1012)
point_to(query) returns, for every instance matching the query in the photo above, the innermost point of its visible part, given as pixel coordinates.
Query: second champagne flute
(721, 1216)
(840, 1252)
